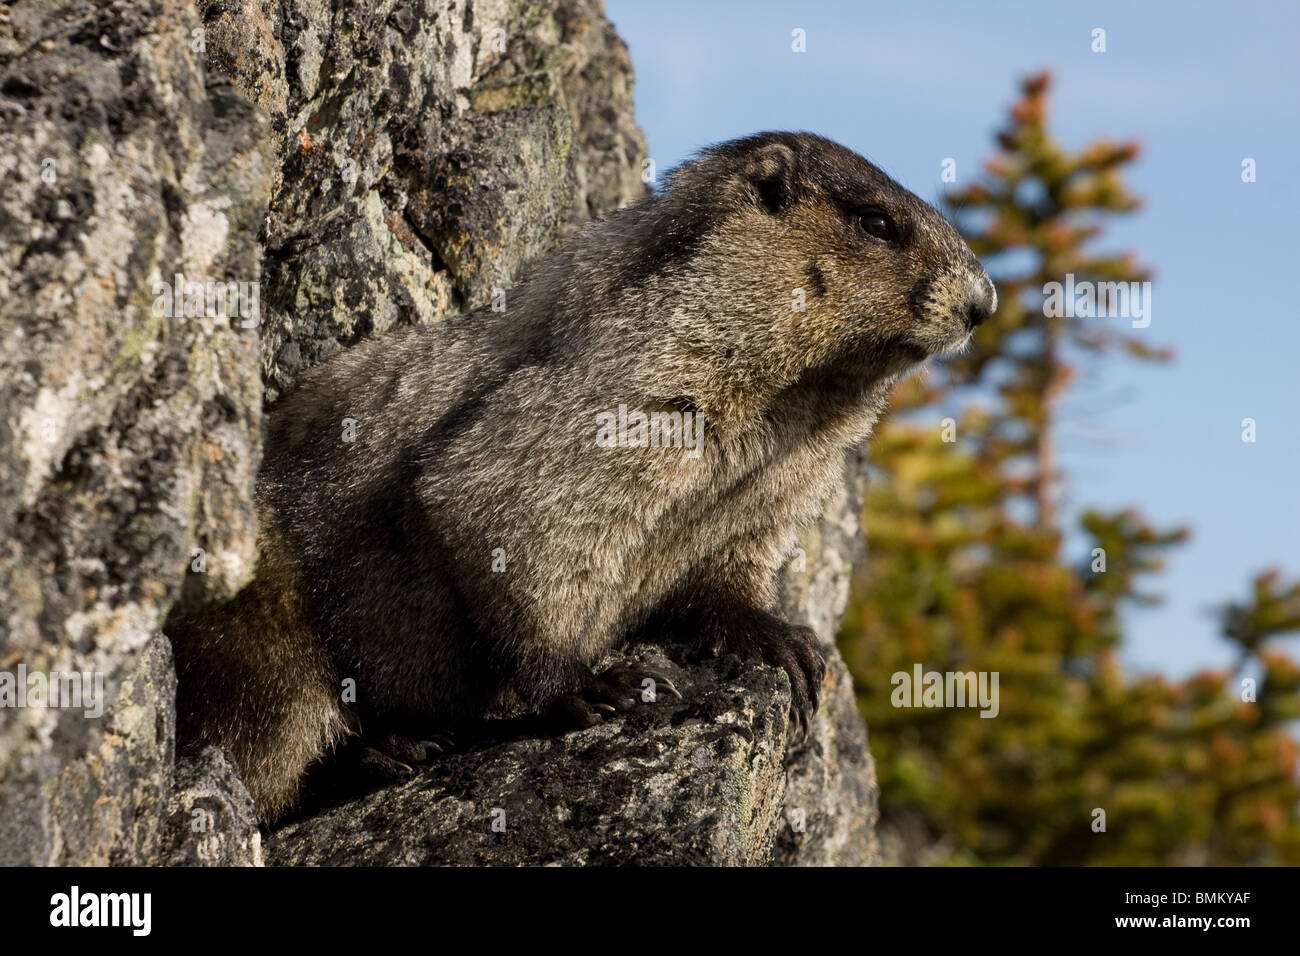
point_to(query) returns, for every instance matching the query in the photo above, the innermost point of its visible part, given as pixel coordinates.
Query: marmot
(477, 540)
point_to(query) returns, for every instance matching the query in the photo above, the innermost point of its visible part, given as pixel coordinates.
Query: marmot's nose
(982, 303)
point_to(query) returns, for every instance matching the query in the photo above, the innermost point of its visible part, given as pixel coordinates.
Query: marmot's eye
(876, 222)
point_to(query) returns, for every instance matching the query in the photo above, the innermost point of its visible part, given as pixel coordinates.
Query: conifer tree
(967, 571)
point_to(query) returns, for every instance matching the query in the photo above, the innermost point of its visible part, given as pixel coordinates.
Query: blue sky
(1201, 86)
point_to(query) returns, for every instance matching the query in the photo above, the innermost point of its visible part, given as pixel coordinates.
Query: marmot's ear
(770, 171)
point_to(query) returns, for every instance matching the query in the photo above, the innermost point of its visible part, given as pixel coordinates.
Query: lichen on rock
(365, 164)
(129, 437)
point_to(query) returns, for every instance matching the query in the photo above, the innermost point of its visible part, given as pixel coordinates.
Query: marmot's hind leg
(254, 680)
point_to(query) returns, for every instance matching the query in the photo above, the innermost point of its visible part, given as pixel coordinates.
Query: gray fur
(479, 433)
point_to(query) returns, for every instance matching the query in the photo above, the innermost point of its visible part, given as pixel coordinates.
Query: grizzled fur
(479, 433)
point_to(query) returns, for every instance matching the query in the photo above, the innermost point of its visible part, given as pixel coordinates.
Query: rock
(429, 153)
(104, 809)
(830, 787)
(210, 818)
(674, 782)
(358, 165)
(128, 437)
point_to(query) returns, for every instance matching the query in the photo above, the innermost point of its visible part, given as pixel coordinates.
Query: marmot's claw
(406, 750)
(796, 650)
(801, 722)
(627, 682)
(573, 712)
(380, 765)
(618, 688)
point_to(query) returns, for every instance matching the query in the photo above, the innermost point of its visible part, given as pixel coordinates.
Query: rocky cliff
(332, 170)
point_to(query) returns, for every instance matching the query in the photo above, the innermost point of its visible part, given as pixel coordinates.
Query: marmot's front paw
(795, 649)
(617, 688)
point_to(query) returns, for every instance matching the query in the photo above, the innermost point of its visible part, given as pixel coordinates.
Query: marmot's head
(790, 252)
